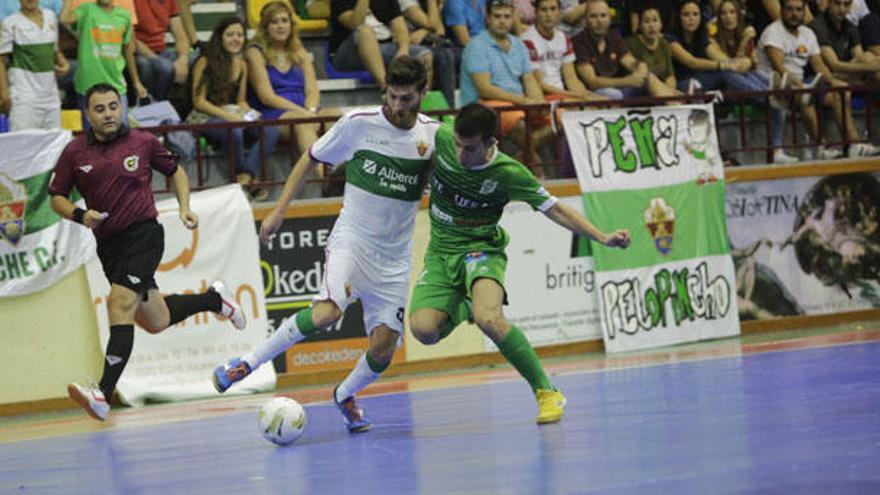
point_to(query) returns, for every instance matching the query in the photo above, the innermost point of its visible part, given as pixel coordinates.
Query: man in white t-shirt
(553, 57)
(29, 41)
(387, 154)
(785, 48)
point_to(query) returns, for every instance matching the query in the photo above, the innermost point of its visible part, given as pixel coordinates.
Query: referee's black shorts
(130, 258)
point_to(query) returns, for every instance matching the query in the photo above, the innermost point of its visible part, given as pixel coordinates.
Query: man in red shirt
(112, 168)
(157, 65)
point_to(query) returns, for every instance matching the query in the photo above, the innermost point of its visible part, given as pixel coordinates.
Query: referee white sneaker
(229, 309)
(90, 398)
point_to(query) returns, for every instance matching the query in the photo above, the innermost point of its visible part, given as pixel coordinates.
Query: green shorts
(446, 280)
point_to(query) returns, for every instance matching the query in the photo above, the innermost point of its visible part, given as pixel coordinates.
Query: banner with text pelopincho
(657, 172)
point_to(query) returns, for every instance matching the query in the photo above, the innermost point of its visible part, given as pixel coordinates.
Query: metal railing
(735, 103)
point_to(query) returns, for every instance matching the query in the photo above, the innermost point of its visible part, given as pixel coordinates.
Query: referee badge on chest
(131, 163)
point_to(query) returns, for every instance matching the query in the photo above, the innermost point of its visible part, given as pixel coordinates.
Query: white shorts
(26, 115)
(382, 285)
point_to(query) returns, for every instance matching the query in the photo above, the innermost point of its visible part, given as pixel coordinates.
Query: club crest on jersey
(488, 186)
(422, 147)
(131, 163)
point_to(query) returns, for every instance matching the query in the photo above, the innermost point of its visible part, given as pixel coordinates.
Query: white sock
(357, 380)
(284, 337)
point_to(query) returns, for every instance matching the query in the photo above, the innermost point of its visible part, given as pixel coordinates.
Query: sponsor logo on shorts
(133, 279)
(475, 257)
(113, 360)
(86, 168)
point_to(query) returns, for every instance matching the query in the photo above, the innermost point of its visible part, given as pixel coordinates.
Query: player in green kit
(464, 269)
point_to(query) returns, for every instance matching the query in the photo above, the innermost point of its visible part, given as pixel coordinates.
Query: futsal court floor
(779, 413)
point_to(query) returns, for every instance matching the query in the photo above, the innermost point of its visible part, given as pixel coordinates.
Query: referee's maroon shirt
(113, 177)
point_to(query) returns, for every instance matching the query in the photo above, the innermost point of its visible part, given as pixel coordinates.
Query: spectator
(604, 62)
(159, 66)
(700, 63)
(552, 55)
(841, 45)
(523, 16)
(106, 47)
(281, 73)
(649, 46)
(786, 47)
(763, 12)
(574, 17)
(9, 7)
(869, 29)
(219, 95)
(29, 39)
(189, 23)
(465, 19)
(367, 34)
(426, 29)
(496, 70)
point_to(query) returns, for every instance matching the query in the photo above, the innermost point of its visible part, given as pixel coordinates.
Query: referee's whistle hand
(92, 219)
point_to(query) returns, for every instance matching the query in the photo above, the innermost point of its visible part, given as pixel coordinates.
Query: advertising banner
(657, 172)
(293, 269)
(805, 246)
(550, 279)
(37, 247)
(177, 363)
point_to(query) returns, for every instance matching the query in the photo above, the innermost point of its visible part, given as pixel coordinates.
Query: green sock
(304, 322)
(519, 353)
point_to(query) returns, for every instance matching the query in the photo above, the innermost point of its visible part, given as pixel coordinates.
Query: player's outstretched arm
(291, 186)
(569, 218)
(180, 182)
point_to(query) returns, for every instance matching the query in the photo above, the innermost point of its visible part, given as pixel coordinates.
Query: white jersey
(797, 49)
(548, 56)
(386, 169)
(32, 58)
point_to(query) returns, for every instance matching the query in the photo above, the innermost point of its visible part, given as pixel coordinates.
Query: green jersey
(466, 204)
(102, 38)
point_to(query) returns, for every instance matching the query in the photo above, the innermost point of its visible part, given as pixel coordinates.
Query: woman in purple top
(281, 74)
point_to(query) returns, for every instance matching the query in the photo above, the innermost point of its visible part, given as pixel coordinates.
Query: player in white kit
(387, 154)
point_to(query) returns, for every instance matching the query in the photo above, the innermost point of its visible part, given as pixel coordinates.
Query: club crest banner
(37, 247)
(657, 172)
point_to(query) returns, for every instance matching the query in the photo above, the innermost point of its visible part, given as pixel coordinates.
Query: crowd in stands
(500, 52)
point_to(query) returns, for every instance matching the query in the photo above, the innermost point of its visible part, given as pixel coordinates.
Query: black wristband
(78, 215)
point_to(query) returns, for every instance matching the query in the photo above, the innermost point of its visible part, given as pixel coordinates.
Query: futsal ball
(282, 420)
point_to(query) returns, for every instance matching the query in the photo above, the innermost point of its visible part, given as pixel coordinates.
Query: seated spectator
(523, 16)
(29, 40)
(786, 47)
(700, 63)
(426, 29)
(633, 8)
(367, 34)
(841, 45)
(495, 70)
(764, 12)
(464, 19)
(737, 40)
(106, 48)
(869, 29)
(159, 66)
(552, 56)
(281, 74)
(650, 47)
(9, 7)
(604, 62)
(574, 17)
(219, 95)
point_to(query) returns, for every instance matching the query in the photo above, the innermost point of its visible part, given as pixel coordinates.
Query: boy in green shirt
(464, 269)
(105, 48)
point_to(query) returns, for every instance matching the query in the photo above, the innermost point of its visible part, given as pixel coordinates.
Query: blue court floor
(800, 416)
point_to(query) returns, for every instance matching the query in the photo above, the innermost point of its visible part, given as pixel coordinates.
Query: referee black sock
(182, 306)
(118, 351)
